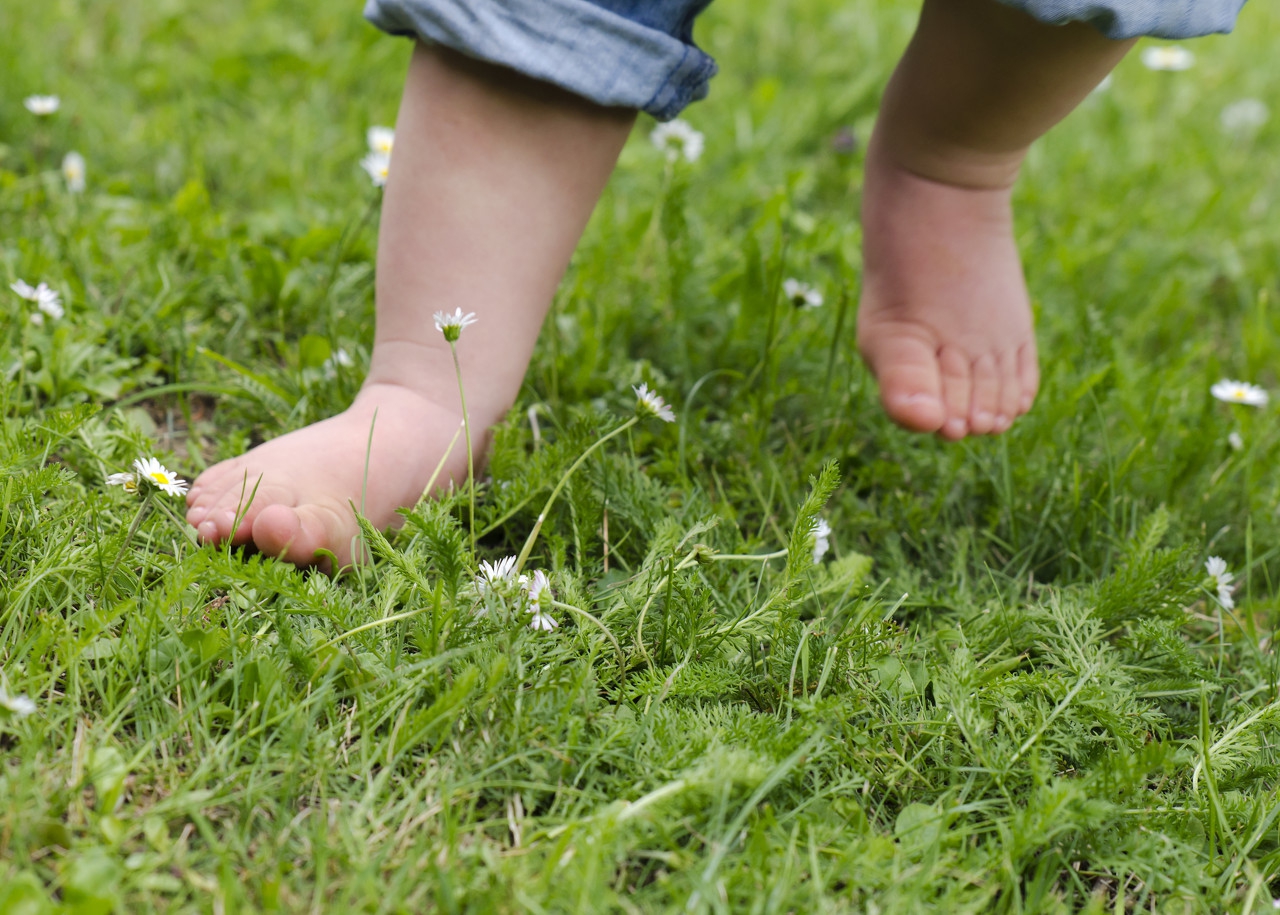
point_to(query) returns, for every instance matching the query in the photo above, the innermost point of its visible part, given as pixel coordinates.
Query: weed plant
(1008, 686)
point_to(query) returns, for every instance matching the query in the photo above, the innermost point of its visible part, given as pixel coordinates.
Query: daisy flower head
(536, 588)
(47, 300)
(821, 539)
(377, 165)
(73, 171)
(1170, 57)
(801, 295)
(42, 105)
(159, 476)
(26, 291)
(127, 481)
(1244, 117)
(1241, 392)
(650, 403)
(451, 325)
(17, 706)
(1216, 567)
(1236, 441)
(536, 585)
(496, 574)
(339, 358)
(381, 139)
(540, 620)
(677, 138)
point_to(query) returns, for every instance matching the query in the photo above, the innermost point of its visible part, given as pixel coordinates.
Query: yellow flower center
(159, 478)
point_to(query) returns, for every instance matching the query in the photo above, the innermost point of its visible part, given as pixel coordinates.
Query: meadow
(1009, 684)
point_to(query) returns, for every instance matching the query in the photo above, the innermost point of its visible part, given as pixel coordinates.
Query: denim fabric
(1131, 18)
(628, 53)
(640, 53)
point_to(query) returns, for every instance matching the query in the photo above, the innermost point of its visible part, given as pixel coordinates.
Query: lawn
(1008, 685)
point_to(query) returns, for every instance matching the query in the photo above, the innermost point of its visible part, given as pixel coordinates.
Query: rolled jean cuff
(578, 45)
(1122, 19)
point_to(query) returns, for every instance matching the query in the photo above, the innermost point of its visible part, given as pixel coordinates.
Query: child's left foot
(944, 321)
(298, 494)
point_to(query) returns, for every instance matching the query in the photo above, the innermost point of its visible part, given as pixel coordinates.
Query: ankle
(899, 147)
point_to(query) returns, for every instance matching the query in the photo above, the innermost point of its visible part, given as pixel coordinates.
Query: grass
(1008, 688)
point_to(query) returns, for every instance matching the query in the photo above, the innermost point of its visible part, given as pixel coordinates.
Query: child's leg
(493, 179)
(944, 321)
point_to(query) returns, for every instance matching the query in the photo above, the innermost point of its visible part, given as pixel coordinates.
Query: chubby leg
(492, 180)
(944, 321)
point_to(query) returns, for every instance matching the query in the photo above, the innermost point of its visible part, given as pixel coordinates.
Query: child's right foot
(492, 180)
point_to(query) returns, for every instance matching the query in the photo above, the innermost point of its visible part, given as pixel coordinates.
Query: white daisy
(377, 165)
(126, 480)
(161, 477)
(544, 621)
(496, 573)
(381, 139)
(451, 325)
(1245, 116)
(42, 105)
(1239, 392)
(1236, 441)
(801, 295)
(50, 302)
(535, 587)
(1216, 566)
(677, 138)
(26, 290)
(1167, 57)
(339, 357)
(73, 171)
(649, 403)
(821, 538)
(18, 706)
(46, 299)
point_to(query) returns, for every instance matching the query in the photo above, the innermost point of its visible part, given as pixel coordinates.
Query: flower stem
(471, 464)
(551, 500)
(128, 538)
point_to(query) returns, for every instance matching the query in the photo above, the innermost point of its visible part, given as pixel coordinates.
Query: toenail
(208, 532)
(196, 514)
(1002, 422)
(954, 428)
(983, 418)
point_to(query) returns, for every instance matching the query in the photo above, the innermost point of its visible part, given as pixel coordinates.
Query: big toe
(296, 535)
(221, 513)
(910, 387)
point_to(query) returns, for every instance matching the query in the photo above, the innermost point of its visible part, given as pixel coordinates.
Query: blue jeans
(640, 53)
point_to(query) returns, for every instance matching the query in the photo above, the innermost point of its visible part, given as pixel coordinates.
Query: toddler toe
(906, 368)
(986, 396)
(957, 391)
(296, 534)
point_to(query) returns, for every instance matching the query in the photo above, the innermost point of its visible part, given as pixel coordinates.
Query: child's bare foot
(944, 321)
(492, 180)
(308, 480)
